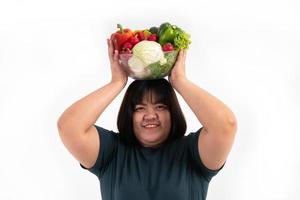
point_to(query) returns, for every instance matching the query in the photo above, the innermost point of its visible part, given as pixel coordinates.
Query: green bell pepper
(166, 33)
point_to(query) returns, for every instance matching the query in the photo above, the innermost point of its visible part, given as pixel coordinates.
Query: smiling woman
(151, 123)
(150, 157)
(150, 102)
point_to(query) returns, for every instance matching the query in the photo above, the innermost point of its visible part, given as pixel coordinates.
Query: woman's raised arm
(219, 122)
(76, 124)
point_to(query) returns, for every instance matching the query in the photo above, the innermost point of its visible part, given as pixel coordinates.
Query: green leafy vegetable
(158, 70)
(182, 39)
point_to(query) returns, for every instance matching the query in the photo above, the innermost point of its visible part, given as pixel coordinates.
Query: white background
(246, 53)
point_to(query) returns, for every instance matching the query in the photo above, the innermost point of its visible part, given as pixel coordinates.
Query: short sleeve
(107, 151)
(195, 155)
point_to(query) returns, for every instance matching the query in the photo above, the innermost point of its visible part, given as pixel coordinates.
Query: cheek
(136, 122)
(168, 116)
(134, 118)
(167, 121)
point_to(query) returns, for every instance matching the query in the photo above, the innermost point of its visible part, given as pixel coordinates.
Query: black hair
(164, 93)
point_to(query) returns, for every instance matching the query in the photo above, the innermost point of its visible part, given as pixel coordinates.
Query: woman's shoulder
(105, 131)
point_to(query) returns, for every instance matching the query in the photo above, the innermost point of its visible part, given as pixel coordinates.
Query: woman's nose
(150, 114)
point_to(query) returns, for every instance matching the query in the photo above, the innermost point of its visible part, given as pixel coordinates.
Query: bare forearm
(210, 111)
(84, 113)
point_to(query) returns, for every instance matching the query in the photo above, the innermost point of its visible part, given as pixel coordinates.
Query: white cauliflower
(149, 52)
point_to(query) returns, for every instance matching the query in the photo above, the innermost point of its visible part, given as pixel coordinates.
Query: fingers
(181, 57)
(183, 54)
(112, 53)
(116, 55)
(110, 49)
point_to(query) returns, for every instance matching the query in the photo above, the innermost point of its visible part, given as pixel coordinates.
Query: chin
(151, 141)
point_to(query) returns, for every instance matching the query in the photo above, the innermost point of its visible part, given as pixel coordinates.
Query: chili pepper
(120, 37)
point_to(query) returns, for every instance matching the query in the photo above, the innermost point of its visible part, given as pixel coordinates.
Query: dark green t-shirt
(173, 171)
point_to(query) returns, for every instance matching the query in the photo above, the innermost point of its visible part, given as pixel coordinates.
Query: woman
(150, 158)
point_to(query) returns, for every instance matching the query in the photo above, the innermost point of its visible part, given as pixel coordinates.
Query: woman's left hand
(178, 71)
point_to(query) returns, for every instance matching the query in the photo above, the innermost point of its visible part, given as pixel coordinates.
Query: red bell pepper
(133, 40)
(120, 37)
(127, 45)
(140, 35)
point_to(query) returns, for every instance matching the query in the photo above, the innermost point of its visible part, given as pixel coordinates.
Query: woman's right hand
(117, 73)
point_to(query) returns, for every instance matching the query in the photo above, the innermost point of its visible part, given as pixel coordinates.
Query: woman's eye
(161, 107)
(139, 109)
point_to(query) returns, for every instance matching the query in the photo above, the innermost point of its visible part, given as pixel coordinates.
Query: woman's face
(151, 123)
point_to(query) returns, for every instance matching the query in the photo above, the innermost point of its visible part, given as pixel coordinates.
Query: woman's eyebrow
(141, 103)
(144, 104)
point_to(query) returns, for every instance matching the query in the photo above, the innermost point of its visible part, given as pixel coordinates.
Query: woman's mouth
(150, 126)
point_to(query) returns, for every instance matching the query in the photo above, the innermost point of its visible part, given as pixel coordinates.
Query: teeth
(151, 126)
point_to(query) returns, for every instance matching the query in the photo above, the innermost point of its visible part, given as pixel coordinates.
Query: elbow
(69, 127)
(62, 125)
(59, 125)
(231, 125)
(232, 121)
(64, 129)
(225, 127)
